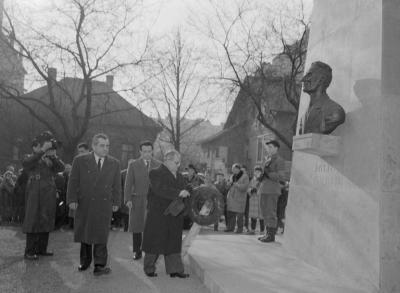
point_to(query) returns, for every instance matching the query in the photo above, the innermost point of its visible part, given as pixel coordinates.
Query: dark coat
(163, 234)
(41, 192)
(95, 192)
(137, 184)
(19, 192)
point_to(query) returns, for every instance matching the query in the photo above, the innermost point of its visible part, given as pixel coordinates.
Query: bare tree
(84, 39)
(246, 40)
(177, 91)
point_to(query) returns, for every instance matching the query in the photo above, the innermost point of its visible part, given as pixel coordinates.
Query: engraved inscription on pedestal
(317, 144)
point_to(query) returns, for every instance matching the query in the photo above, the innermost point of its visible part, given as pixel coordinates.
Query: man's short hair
(237, 165)
(146, 143)
(96, 138)
(172, 154)
(83, 145)
(326, 71)
(258, 168)
(275, 143)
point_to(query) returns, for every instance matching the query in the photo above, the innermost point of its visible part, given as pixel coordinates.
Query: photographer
(41, 167)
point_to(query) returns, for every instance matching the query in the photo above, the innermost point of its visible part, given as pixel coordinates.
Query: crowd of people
(147, 199)
(262, 199)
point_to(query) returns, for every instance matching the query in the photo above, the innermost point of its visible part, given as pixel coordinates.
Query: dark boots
(270, 237)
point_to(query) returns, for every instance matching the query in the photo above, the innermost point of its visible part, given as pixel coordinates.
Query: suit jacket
(137, 184)
(95, 192)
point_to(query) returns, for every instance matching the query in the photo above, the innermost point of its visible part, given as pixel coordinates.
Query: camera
(47, 136)
(54, 144)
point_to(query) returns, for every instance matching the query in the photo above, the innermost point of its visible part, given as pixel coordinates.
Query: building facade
(243, 137)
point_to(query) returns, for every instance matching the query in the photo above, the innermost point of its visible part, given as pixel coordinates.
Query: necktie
(99, 164)
(147, 165)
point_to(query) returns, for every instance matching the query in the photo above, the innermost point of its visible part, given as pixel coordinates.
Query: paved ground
(60, 274)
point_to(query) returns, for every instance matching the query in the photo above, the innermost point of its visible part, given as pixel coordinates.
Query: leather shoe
(179, 275)
(101, 271)
(31, 256)
(137, 255)
(82, 268)
(151, 275)
(46, 253)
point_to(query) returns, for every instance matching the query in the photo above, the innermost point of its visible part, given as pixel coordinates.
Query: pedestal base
(317, 144)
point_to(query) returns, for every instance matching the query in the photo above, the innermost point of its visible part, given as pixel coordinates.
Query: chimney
(110, 81)
(52, 73)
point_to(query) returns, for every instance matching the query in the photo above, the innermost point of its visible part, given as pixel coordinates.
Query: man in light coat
(94, 191)
(137, 184)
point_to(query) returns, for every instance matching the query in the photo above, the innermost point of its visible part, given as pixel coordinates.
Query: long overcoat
(41, 192)
(163, 233)
(137, 185)
(95, 192)
(236, 199)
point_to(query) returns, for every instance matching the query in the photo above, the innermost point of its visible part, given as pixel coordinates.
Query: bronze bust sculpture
(323, 114)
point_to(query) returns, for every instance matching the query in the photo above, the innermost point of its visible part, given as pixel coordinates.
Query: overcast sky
(162, 17)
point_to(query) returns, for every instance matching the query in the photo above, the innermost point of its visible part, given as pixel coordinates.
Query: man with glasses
(163, 230)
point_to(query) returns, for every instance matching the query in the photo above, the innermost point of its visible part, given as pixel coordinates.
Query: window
(127, 153)
(217, 152)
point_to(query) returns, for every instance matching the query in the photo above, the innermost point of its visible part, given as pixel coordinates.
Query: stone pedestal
(317, 144)
(343, 213)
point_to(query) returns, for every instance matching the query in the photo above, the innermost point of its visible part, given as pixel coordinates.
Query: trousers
(137, 242)
(234, 217)
(98, 252)
(173, 263)
(36, 243)
(268, 205)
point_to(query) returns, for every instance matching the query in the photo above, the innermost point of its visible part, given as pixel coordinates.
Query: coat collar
(92, 164)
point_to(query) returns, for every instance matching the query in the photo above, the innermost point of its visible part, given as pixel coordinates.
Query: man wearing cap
(270, 189)
(136, 189)
(41, 192)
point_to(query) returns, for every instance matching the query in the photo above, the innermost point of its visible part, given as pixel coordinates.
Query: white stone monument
(343, 214)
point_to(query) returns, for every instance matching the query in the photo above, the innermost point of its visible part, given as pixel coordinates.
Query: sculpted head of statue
(323, 114)
(319, 76)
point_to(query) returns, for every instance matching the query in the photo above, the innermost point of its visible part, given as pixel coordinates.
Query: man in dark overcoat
(41, 193)
(163, 232)
(94, 191)
(136, 189)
